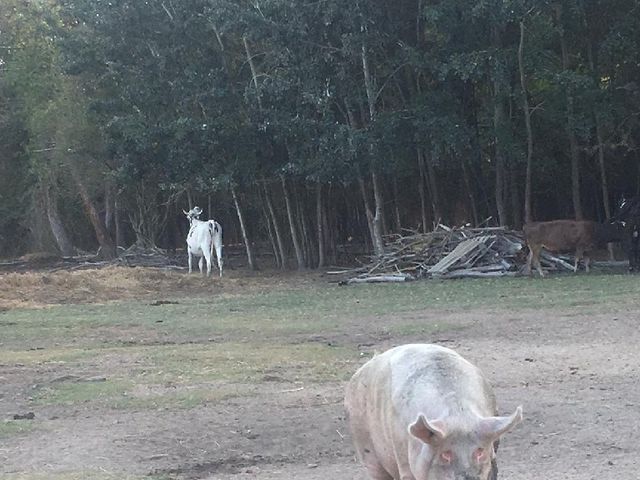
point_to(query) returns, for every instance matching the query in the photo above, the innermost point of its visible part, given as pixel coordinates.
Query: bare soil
(575, 373)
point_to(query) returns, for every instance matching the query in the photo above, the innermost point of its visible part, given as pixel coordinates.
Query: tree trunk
(375, 230)
(469, 188)
(292, 225)
(276, 256)
(243, 230)
(376, 219)
(515, 197)
(302, 228)
(320, 224)
(433, 187)
(108, 248)
(422, 189)
(108, 207)
(117, 220)
(378, 242)
(601, 159)
(528, 217)
(396, 205)
(146, 220)
(57, 227)
(500, 173)
(172, 229)
(276, 228)
(254, 71)
(498, 127)
(573, 141)
(330, 228)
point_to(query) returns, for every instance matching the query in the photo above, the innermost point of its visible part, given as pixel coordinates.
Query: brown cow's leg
(579, 255)
(536, 259)
(529, 260)
(587, 262)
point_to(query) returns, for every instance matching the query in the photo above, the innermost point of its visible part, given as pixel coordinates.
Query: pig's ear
(493, 427)
(429, 431)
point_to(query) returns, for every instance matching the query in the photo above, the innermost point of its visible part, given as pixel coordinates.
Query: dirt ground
(575, 373)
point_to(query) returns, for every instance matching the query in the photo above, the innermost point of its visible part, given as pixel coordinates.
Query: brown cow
(580, 236)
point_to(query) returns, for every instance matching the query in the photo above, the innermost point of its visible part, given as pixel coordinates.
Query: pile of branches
(143, 256)
(449, 253)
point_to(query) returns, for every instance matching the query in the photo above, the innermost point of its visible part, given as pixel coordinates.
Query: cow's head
(195, 212)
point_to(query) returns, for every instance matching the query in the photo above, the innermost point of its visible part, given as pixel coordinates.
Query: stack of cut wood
(449, 253)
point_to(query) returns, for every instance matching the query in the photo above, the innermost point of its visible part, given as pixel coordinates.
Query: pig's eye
(446, 457)
(480, 455)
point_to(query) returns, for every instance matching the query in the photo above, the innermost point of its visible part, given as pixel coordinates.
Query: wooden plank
(461, 250)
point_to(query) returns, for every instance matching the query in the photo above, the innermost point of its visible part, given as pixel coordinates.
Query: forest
(304, 126)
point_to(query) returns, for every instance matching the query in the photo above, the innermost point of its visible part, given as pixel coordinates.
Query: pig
(422, 412)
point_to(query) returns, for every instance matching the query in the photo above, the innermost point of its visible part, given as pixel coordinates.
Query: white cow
(202, 238)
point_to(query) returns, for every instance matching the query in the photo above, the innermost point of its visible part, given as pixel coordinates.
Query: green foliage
(202, 94)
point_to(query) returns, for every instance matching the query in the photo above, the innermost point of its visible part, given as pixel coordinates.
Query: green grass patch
(43, 356)
(10, 428)
(74, 392)
(183, 376)
(282, 312)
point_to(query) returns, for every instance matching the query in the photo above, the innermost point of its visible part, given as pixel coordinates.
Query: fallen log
(471, 273)
(378, 279)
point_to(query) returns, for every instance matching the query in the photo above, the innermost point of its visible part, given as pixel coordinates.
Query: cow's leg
(217, 243)
(579, 255)
(200, 264)
(206, 253)
(529, 260)
(535, 252)
(209, 260)
(189, 255)
(587, 262)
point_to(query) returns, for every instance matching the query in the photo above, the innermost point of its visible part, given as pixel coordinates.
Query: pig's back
(436, 381)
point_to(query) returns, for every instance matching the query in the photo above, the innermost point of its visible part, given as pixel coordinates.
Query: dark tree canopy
(321, 123)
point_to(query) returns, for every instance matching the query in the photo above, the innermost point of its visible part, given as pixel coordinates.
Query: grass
(207, 349)
(309, 309)
(186, 375)
(9, 428)
(71, 392)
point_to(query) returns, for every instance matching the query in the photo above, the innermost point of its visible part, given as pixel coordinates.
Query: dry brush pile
(449, 253)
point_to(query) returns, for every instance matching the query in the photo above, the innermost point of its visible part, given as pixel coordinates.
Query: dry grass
(37, 289)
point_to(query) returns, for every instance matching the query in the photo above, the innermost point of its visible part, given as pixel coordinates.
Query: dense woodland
(304, 126)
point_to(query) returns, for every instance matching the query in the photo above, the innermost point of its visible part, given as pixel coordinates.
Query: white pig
(422, 412)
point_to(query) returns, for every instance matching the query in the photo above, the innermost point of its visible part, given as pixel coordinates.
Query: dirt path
(575, 373)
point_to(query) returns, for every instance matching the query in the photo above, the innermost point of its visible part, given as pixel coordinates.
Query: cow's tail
(213, 228)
